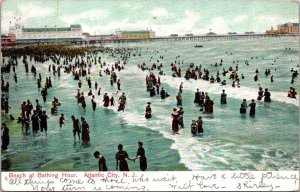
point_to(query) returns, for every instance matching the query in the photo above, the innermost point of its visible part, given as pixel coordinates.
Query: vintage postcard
(158, 86)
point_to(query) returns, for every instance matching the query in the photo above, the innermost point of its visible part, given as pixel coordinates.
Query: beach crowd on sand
(79, 61)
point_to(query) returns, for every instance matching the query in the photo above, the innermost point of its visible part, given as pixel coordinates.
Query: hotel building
(145, 34)
(47, 34)
(287, 28)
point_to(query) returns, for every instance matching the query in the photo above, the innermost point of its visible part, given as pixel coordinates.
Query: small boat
(198, 46)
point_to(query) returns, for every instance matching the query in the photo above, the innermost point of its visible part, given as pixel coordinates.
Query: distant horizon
(167, 17)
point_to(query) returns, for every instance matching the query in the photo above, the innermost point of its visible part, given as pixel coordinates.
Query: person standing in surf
(76, 127)
(244, 106)
(121, 157)
(38, 107)
(162, 93)
(252, 108)
(112, 101)
(175, 117)
(82, 99)
(199, 125)
(105, 100)
(179, 99)
(141, 155)
(194, 127)
(255, 77)
(180, 119)
(208, 105)
(119, 85)
(94, 104)
(148, 111)
(35, 122)
(85, 136)
(260, 93)
(223, 97)
(43, 122)
(180, 87)
(267, 96)
(61, 120)
(122, 102)
(197, 96)
(4, 137)
(101, 161)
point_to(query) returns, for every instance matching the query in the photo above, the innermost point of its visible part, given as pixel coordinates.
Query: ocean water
(231, 141)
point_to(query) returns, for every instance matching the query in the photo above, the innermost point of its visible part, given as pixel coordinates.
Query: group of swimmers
(204, 102)
(37, 117)
(121, 157)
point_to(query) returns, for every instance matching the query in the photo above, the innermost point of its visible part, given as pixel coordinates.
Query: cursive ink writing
(183, 186)
(164, 179)
(70, 181)
(15, 181)
(131, 188)
(200, 177)
(203, 186)
(247, 175)
(140, 179)
(250, 185)
(70, 187)
(271, 175)
(107, 180)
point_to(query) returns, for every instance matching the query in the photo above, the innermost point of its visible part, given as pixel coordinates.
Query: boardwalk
(199, 38)
(190, 38)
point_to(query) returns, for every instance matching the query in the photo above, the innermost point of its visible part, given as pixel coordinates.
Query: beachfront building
(8, 40)
(99, 38)
(143, 34)
(291, 28)
(47, 34)
(287, 28)
(271, 31)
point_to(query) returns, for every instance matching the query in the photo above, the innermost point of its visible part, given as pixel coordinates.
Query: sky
(165, 17)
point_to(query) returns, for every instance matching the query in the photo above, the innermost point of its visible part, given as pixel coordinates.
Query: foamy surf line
(199, 158)
(215, 88)
(161, 125)
(191, 155)
(237, 93)
(197, 153)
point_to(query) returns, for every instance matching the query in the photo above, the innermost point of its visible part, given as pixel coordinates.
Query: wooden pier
(190, 38)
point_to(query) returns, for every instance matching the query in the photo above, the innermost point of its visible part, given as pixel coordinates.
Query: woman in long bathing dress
(85, 130)
(175, 117)
(105, 100)
(141, 155)
(121, 157)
